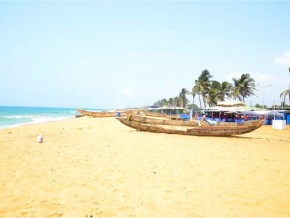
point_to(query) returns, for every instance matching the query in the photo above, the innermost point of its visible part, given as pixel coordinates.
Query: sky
(117, 54)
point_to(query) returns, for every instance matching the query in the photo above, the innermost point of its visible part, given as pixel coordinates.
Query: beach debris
(39, 139)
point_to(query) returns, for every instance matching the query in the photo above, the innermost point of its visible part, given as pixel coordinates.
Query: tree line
(209, 91)
(180, 100)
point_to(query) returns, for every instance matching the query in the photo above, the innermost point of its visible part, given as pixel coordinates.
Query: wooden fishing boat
(83, 113)
(203, 130)
(161, 120)
(151, 114)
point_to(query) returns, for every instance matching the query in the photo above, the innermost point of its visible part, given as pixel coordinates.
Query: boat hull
(195, 131)
(161, 121)
(83, 113)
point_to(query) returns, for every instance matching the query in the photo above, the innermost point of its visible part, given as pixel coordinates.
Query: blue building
(287, 116)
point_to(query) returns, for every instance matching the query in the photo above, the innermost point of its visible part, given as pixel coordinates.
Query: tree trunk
(199, 101)
(193, 97)
(204, 101)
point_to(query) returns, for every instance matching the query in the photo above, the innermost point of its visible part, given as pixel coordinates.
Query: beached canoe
(83, 113)
(161, 120)
(203, 130)
(153, 114)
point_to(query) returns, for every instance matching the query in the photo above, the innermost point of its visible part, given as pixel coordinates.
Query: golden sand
(97, 167)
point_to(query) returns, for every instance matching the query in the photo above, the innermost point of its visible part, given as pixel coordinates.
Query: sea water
(11, 116)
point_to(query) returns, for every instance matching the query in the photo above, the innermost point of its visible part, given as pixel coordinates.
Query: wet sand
(97, 167)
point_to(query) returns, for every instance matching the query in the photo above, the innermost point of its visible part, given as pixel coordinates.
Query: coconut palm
(213, 93)
(194, 92)
(202, 86)
(171, 101)
(284, 95)
(161, 102)
(218, 91)
(243, 87)
(225, 90)
(182, 96)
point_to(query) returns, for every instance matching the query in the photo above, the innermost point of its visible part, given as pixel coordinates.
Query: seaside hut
(230, 111)
(170, 110)
(231, 104)
(271, 115)
(228, 106)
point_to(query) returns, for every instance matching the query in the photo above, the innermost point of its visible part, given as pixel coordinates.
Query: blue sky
(116, 54)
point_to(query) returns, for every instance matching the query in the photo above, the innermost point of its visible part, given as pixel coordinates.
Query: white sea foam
(47, 119)
(18, 116)
(35, 120)
(11, 116)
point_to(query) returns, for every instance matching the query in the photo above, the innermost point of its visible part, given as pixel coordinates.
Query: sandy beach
(97, 167)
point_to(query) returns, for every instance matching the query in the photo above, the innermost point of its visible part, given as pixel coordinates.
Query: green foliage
(161, 102)
(178, 101)
(192, 106)
(259, 106)
(243, 87)
(202, 86)
(217, 92)
(182, 97)
(211, 91)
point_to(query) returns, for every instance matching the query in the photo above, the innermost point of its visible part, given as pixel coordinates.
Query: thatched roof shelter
(230, 107)
(231, 104)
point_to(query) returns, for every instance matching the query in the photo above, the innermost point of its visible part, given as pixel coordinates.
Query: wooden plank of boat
(161, 121)
(151, 114)
(101, 113)
(195, 131)
(96, 113)
(168, 121)
(224, 130)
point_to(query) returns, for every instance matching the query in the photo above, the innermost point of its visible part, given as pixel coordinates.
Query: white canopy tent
(248, 112)
(270, 113)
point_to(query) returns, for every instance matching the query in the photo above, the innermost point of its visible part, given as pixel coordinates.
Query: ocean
(12, 116)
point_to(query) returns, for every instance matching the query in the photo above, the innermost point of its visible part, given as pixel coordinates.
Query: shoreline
(35, 123)
(14, 116)
(99, 167)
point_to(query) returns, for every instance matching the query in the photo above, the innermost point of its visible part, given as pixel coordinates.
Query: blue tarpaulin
(184, 116)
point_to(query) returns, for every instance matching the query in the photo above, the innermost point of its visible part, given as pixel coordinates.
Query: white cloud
(284, 59)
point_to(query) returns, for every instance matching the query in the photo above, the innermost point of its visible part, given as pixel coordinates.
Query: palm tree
(176, 101)
(218, 91)
(194, 92)
(202, 86)
(284, 94)
(182, 96)
(161, 102)
(171, 101)
(243, 87)
(225, 90)
(213, 93)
